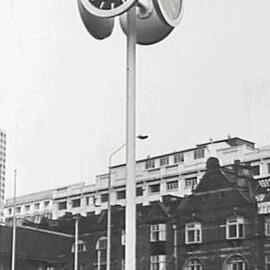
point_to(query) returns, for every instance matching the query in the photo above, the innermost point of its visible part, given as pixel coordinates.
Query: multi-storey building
(218, 226)
(176, 173)
(3, 145)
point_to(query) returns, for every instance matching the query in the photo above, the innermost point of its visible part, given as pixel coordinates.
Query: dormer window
(235, 228)
(193, 233)
(158, 232)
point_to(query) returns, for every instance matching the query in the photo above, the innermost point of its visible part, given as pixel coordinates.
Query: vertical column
(76, 242)
(14, 223)
(130, 247)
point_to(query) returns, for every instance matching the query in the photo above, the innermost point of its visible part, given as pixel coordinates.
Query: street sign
(98, 27)
(170, 10)
(107, 8)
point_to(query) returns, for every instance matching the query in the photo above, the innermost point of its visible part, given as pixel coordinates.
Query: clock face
(170, 10)
(107, 8)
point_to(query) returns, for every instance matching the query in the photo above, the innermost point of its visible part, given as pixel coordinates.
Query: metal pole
(175, 246)
(130, 247)
(109, 229)
(108, 264)
(14, 223)
(76, 243)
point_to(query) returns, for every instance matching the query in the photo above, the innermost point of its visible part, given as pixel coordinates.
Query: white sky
(62, 98)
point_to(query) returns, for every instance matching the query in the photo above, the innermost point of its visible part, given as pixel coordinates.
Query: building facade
(218, 226)
(35, 249)
(3, 149)
(175, 174)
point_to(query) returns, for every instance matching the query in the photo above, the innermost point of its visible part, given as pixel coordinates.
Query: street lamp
(13, 261)
(108, 265)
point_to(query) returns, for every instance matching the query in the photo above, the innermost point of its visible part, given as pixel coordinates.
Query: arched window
(236, 263)
(235, 228)
(101, 253)
(193, 264)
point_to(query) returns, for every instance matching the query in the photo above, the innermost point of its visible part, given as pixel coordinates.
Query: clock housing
(107, 8)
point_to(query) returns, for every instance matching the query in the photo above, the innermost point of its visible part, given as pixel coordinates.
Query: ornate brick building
(218, 226)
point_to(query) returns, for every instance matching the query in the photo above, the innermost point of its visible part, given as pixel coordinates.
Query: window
(193, 264)
(235, 228)
(9, 211)
(62, 205)
(101, 253)
(172, 185)
(123, 238)
(256, 170)
(121, 194)
(81, 246)
(46, 204)
(268, 167)
(37, 218)
(122, 264)
(158, 232)
(36, 206)
(178, 158)
(198, 153)
(18, 210)
(150, 164)
(236, 263)
(76, 203)
(27, 207)
(267, 226)
(193, 233)
(139, 191)
(90, 200)
(163, 161)
(267, 262)
(104, 197)
(154, 188)
(158, 262)
(48, 215)
(190, 182)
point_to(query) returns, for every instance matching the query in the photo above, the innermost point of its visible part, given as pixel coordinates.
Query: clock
(98, 27)
(107, 8)
(170, 10)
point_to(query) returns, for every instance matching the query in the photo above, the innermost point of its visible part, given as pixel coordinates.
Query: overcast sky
(62, 99)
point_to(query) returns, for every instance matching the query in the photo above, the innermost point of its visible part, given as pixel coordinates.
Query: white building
(174, 173)
(3, 146)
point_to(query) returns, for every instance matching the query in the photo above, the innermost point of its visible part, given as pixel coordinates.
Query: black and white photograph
(134, 135)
